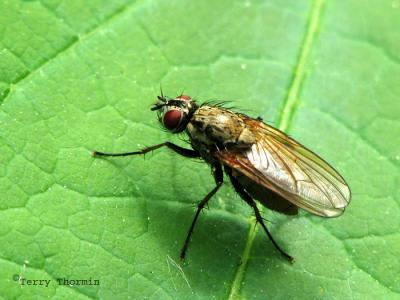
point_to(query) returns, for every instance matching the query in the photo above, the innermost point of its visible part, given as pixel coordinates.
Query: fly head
(174, 113)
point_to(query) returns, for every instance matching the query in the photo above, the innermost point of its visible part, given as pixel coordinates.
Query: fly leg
(219, 179)
(246, 197)
(182, 151)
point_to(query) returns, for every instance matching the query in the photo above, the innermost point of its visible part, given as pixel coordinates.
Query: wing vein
(333, 182)
(285, 164)
(305, 171)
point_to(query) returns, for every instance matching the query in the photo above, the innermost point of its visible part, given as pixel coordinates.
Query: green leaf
(77, 76)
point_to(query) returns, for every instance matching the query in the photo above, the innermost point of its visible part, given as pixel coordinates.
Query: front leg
(182, 151)
(219, 179)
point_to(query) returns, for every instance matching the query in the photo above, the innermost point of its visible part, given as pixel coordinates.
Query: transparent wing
(279, 163)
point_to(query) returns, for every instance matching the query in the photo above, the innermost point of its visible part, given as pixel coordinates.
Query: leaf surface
(77, 76)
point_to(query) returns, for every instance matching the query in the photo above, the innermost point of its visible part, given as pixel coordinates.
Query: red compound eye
(172, 118)
(184, 97)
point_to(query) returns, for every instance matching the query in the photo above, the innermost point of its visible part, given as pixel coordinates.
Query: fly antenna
(157, 106)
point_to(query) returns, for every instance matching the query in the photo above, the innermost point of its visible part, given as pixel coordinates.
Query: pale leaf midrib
(286, 115)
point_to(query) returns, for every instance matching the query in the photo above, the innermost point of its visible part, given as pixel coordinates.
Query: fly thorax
(216, 126)
(246, 137)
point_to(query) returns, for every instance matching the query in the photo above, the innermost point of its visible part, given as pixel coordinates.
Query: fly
(262, 162)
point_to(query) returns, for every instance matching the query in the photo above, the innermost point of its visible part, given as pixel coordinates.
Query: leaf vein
(289, 107)
(73, 42)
